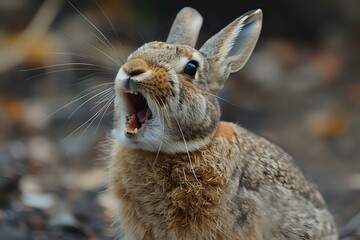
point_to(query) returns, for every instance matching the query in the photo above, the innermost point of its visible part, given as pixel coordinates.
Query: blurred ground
(301, 89)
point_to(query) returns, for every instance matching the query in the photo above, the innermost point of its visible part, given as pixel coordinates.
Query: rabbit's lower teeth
(132, 132)
(133, 125)
(139, 113)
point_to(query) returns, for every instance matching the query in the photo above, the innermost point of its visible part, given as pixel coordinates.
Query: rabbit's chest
(172, 192)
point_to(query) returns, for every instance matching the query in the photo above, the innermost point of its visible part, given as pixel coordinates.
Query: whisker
(80, 55)
(220, 98)
(109, 103)
(132, 38)
(105, 44)
(88, 100)
(91, 89)
(137, 32)
(65, 70)
(113, 28)
(88, 78)
(233, 104)
(103, 99)
(67, 64)
(162, 137)
(187, 150)
(91, 120)
(73, 101)
(96, 48)
(107, 40)
(99, 50)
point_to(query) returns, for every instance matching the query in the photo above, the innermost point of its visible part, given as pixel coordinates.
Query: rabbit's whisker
(220, 98)
(89, 121)
(103, 99)
(89, 79)
(88, 100)
(187, 150)
(108, 104)
(68, 64)
(233, 104)
(79, 55)
(160, 113)
(136, 31)
(245, 56)
(97, 29)
(113, 28)
(106, 45)
(66, 70)
(93, 87)
(75, 100)
(96, 48)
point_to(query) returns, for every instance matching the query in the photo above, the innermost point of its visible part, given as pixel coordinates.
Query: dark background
(300, 89)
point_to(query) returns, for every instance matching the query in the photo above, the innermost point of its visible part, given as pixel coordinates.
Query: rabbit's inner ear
(186, 27)
(243, 44)
(231, 48)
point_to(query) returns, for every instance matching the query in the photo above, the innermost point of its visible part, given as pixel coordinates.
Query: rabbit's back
(239, 187)
(284, 204)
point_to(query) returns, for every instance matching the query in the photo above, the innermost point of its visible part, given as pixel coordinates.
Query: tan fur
(164, 200)
(159, 85)
(190, 87)
(135, 66)
(190, 176)
(225, 130)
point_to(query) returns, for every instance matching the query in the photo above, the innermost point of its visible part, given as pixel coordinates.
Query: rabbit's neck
(172, 189)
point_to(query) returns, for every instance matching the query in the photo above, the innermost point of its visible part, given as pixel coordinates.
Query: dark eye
(191, 68)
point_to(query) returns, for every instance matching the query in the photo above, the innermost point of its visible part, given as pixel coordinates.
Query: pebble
(38, 200)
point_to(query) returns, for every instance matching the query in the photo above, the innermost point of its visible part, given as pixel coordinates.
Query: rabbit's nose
(135, 67)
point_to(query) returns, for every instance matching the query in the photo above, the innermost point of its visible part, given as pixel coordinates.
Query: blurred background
(58, 59)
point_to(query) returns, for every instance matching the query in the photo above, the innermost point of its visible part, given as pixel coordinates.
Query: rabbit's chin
(155, 138)
(149, 137)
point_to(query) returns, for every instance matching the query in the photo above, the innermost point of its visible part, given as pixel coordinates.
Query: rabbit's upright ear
(186, 27)
(230, 49)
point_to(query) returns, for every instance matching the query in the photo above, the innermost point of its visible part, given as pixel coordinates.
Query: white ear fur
(186, 27)
(231, 48)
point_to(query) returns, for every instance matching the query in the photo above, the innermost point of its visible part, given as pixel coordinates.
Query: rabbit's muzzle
(152, 81)
(140, 84)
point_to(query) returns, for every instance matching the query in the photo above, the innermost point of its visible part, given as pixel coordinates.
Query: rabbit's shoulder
(263, 163)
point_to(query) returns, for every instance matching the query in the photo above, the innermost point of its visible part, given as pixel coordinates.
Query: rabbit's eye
(191, 68)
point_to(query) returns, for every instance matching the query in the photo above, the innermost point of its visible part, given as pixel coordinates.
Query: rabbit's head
(166, 91)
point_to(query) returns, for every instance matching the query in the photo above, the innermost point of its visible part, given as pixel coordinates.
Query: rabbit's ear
(186, 27)
(229, 49)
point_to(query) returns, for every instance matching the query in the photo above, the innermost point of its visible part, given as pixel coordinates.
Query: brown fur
(177, 197)
(159, 86)
(136, 66)
(190, 176)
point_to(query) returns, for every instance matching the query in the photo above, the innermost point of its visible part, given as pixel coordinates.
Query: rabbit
(177, 172)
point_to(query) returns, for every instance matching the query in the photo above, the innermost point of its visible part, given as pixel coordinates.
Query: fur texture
(186, 175)
(239, 187)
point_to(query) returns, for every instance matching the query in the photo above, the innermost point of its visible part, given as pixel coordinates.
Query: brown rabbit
(177, 171)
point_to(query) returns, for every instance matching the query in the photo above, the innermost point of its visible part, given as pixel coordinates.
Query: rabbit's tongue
(136, 121)
(143, 115)
(133, 122)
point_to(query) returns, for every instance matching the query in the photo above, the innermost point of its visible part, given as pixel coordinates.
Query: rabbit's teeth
(132, 131)
(132, 125)
(131, 91)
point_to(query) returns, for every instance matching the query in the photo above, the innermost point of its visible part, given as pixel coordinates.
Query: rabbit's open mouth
(139, 113)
